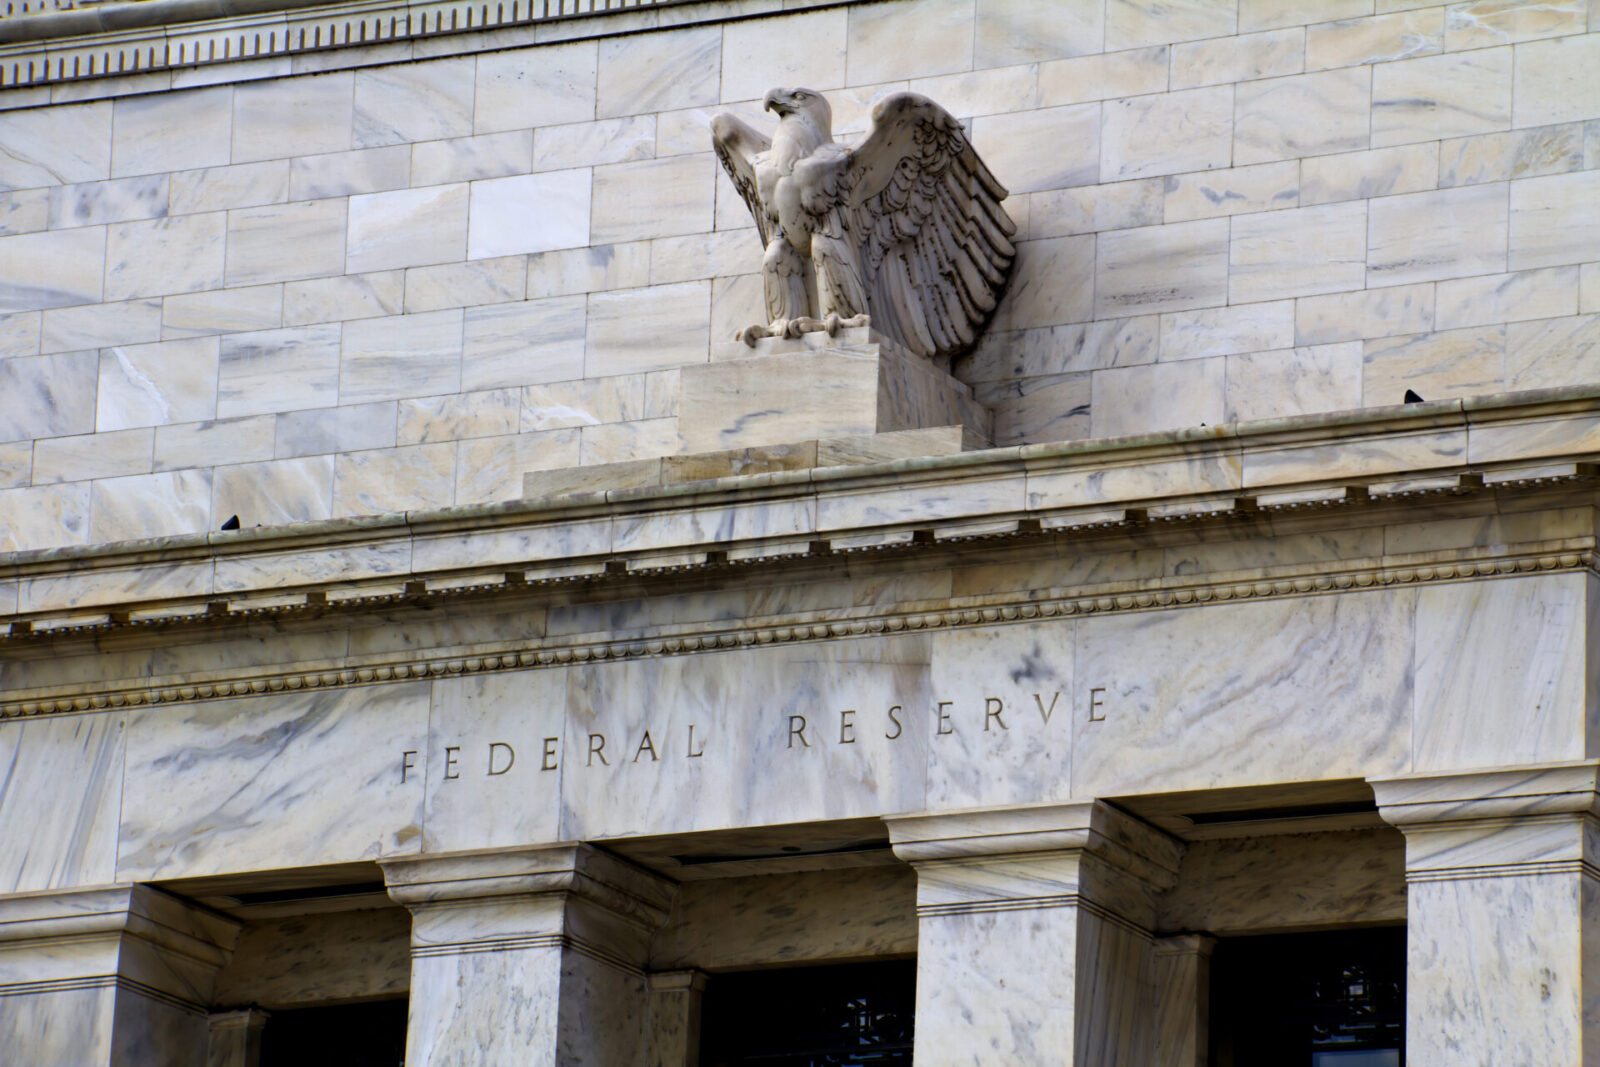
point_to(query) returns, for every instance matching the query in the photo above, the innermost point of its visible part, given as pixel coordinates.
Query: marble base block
(815, 386)
(1183, 999)
(236, 1038)
(675, 1017)
(1033, 943)
(528, 957)
(756, 459)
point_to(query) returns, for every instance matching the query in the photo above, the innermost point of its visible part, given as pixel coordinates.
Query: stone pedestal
(236, 1038)
(675, 1018)
(1033, 943)
(1183, 999)
(818, 386)
(114, 975)
(526, 957)
(1503, 914)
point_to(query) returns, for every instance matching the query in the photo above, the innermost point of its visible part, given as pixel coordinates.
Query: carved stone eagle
(906, 229)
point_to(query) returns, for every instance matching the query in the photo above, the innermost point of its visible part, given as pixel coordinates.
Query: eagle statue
(905, 231)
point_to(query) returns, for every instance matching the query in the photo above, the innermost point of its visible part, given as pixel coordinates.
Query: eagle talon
(751, 334)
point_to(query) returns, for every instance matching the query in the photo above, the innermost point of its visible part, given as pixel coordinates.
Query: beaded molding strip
(1170, 593)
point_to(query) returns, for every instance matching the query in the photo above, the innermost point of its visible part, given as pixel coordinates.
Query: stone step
(756, 459)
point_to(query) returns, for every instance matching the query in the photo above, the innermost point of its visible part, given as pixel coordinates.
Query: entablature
(1303, 507)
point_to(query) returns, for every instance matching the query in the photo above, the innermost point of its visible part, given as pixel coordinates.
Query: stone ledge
(742, 462)
(1114, 598)
(1179, 476)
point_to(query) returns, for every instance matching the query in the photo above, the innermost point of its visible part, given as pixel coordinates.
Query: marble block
(816, 386)
(293, 779)
(756, 459)
(72, 839)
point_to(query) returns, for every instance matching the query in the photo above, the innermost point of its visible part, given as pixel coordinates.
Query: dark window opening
(835, 1016)
(369, 1034)
(1310, 1000)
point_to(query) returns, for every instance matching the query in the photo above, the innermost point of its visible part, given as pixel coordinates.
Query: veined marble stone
(794, 390)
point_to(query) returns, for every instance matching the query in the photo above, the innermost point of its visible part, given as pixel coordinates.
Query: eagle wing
(737, 143)
(921, 213)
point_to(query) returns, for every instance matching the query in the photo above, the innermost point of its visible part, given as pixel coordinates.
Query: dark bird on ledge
(1412, 397)
(231, 524)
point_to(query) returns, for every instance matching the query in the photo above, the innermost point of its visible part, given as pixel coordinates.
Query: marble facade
(574, 657)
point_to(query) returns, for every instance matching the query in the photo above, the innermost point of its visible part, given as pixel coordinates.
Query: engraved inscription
(502, 757)
(1097, 706)
(996, 714)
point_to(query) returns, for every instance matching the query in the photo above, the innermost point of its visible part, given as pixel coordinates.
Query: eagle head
(807, 103)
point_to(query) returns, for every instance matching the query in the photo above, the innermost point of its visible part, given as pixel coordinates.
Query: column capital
(568, 870)
(528, 955)
(686, 981)
(1202, 945)
(1499, 821)
(1492, 793)
(1090, 827)
(118, 935)
(235, 1039)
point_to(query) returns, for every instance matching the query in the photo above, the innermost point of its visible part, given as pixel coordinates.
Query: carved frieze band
(1177, 593)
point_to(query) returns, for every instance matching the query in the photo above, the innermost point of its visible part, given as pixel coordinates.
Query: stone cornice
(143, 37)
(969, 506)
(1273, 467)
(1023, 606)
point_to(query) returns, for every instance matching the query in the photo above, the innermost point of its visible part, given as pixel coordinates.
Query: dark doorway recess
(1333, 999)
(835, 1016)
(369, 1034)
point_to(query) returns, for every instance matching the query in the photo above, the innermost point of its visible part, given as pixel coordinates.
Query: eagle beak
(771, 101)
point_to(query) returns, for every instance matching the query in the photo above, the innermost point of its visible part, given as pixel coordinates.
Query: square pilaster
(530, 956)
(116, 975)
(1033, 942)
(1503, 914)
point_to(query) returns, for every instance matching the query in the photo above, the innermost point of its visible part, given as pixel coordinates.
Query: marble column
(675, 1017)
(528, 956)
(111, 975)
(1183, 999)
(235, 1038)
(1033, 942)
(1503, 914)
